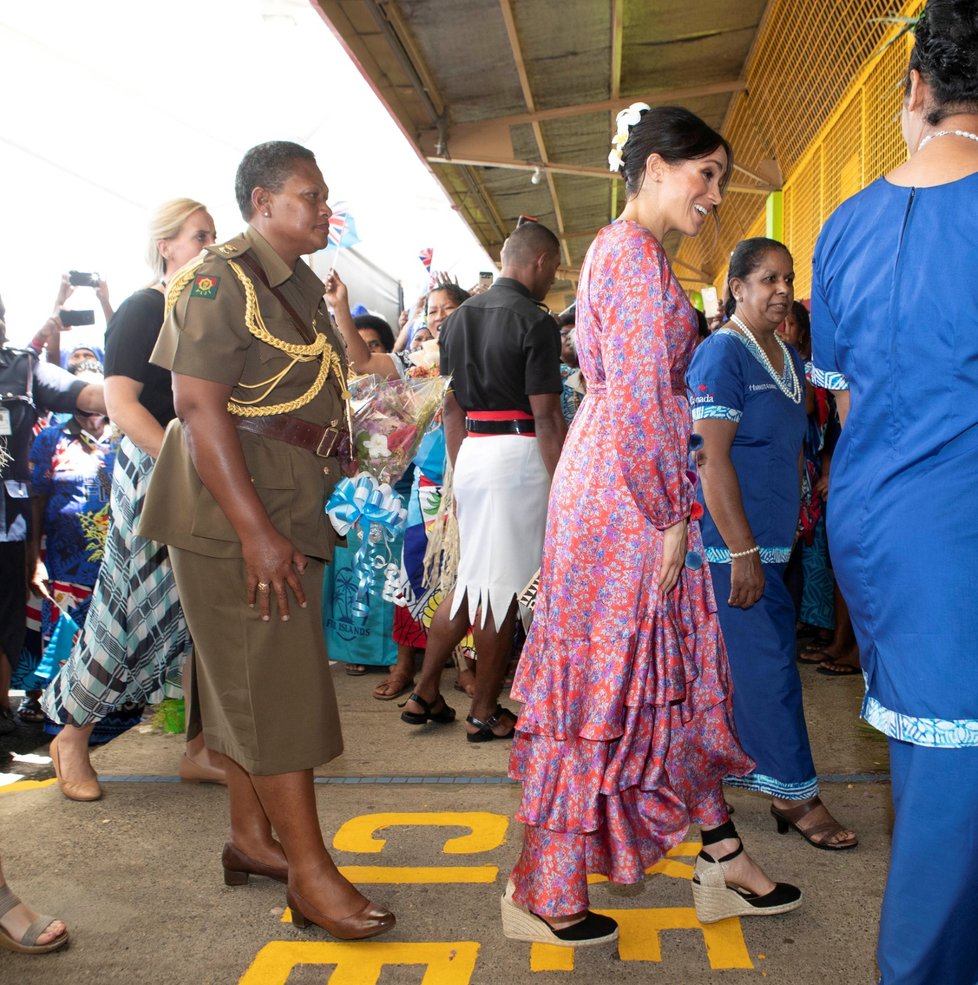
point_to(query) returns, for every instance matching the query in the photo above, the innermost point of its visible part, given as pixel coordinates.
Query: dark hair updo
(676, 135)
(945, 53)
(269, 165)
(458, 295)
(745, 259)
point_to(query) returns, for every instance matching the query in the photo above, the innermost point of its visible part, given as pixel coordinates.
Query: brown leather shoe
(370, 921)
(82, 790)
(192, 771)
(238, 866)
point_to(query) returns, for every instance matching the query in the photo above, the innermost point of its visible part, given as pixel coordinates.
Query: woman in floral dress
(627, 730)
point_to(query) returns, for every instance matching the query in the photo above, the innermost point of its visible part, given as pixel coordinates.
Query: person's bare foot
(466, 681)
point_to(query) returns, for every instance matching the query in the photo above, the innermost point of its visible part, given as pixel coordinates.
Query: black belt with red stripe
(490, 422)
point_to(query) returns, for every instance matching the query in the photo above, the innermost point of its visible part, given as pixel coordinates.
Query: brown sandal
(819, 834)
(396, 684)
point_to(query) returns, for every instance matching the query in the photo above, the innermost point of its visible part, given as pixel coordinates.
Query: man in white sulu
(504, 430)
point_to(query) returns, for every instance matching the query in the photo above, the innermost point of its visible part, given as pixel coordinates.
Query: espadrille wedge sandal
(521, 925)
(714, 900)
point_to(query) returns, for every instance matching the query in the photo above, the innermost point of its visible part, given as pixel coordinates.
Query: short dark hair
(381, 327)
(456, 293)
(267, 165)
(525, 243)
(945, 52)
(676, 135)
(746, 258)
(800, 313)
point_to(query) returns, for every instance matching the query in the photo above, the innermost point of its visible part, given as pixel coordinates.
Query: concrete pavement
(422, 820)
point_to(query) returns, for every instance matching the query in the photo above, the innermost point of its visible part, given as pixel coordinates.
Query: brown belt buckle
(330, 439)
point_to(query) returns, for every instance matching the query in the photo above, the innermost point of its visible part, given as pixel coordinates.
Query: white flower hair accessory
(624, 121)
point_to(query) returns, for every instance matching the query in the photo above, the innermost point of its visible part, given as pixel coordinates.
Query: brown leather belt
(322, 441)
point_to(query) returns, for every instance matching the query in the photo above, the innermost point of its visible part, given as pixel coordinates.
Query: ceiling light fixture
(536, 177)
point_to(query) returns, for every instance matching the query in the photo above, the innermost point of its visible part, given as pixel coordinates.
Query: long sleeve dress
(626, 730)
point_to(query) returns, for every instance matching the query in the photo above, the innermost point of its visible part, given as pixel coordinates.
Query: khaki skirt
(261, 692)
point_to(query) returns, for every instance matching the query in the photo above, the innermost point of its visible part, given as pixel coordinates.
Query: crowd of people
(627, 471)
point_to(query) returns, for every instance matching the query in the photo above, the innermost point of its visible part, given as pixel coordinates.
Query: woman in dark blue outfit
(895, 329)
(747, 393)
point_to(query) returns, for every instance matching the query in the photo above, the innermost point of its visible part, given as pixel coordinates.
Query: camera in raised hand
(80, 278)
(72, 317)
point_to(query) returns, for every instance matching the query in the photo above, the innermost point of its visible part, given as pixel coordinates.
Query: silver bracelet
(754, 550)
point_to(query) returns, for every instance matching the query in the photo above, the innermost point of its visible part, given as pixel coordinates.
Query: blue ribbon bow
(377, 511)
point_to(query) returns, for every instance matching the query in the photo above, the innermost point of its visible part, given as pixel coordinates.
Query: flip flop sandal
(393, 687)
(816, 656)
(355, 670)
(837, 670)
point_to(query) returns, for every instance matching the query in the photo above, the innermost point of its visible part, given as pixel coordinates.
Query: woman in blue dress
(895, 328)
(748, 398)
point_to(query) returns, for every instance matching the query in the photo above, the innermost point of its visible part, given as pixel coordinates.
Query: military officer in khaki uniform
(238, 494)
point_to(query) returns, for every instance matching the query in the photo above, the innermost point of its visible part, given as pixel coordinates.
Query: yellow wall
(857, 141)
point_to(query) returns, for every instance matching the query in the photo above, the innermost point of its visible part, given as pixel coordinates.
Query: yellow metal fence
(826, 153)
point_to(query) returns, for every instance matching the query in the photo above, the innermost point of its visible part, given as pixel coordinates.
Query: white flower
(427, 356)
(625, 119)
(376, 446)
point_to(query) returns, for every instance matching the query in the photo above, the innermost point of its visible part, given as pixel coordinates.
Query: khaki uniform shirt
(205, 336)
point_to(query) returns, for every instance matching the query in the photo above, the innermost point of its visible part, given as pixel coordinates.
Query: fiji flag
(425, 257)
(342, 231)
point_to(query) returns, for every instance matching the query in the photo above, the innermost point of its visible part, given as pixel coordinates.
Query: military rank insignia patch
(205, 286)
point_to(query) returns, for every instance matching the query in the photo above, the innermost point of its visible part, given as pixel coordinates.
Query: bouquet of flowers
(390, 417)
(425, 361)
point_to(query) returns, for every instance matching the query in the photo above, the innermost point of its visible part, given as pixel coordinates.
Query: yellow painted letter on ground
(487, 831)
(639, 935)
(446, 962)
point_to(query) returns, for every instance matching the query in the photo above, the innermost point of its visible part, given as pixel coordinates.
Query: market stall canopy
(512, 102)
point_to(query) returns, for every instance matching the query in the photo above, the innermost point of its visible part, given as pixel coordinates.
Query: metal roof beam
(580, 170)
(517, 49)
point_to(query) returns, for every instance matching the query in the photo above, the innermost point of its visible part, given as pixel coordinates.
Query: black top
(29, 388)
(129, 340)
(500, 347)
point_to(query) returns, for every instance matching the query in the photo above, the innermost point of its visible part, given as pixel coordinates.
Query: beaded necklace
(944, 133)
(794, 392)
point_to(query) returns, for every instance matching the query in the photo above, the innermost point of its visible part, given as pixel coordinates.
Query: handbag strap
(255, 267)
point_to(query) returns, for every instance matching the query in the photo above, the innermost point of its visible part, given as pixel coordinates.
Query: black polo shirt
(499, 348)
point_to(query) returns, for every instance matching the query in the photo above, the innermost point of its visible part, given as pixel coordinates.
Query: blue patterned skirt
(767, 688)
(135, 639)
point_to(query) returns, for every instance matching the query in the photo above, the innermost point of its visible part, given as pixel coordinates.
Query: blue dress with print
(728, 381)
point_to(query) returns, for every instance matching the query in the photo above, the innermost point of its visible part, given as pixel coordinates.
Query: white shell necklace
(944, 133)
(793, 392)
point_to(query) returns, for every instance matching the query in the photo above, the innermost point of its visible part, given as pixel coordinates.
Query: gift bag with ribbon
(354, 634)
(59, 647)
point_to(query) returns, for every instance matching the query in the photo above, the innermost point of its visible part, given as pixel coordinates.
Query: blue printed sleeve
(42, 452)
(825, 368)
(716, 378)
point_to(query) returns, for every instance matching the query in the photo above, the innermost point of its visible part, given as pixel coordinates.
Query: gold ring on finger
(263, 586)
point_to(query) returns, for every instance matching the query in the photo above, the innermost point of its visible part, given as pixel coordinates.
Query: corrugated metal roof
(490, 91)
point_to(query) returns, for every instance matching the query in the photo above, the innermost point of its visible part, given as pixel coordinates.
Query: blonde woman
(135, 638)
